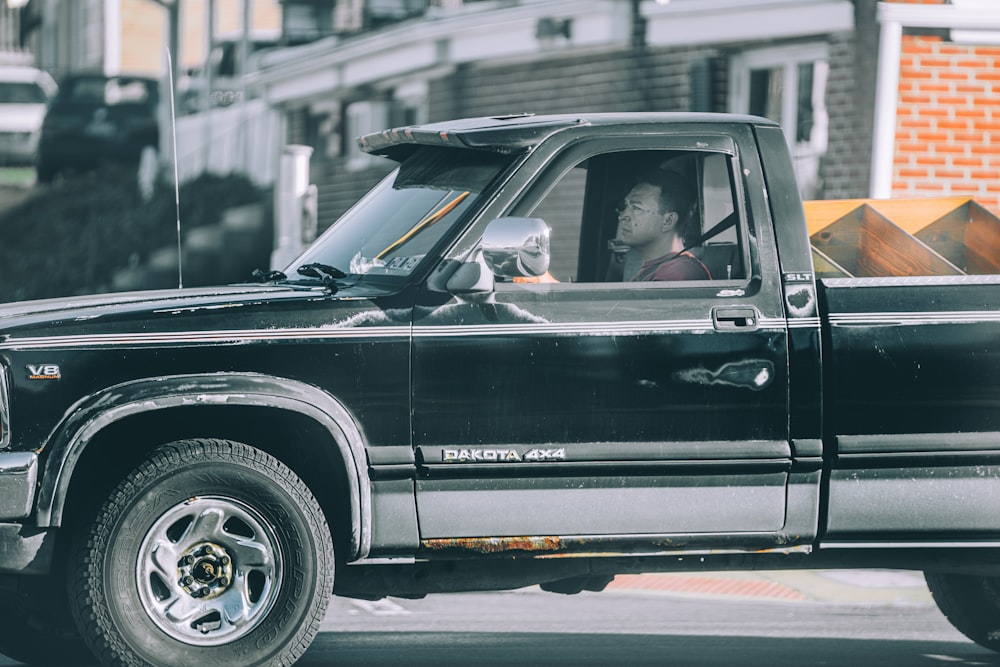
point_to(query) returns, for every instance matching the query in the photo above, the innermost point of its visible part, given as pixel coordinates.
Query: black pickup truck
(458, 387)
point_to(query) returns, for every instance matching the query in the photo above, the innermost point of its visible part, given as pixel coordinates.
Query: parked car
(97, 119)
(24, 95)
(222, 70)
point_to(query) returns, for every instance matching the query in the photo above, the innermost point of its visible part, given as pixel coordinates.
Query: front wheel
(210, 552)
(971, 603)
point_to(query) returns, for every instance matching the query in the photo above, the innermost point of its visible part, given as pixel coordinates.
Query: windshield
(21, 93)
(101, 91)
(403, 218)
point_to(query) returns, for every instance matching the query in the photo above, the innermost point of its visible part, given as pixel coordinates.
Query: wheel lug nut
(208, 550)
(224, 581)
(224, 560)
(188, 580)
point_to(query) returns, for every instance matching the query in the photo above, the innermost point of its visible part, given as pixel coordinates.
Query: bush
(71, 238)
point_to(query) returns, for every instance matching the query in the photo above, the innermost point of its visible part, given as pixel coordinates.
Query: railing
(241, 139)
(10, 36)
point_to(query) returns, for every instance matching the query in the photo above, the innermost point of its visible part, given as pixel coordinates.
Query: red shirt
(673, 267)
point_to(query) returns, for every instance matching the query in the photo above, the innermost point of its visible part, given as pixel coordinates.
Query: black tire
(44, 172)
(210, 553)
(36, 628)
(971, 603)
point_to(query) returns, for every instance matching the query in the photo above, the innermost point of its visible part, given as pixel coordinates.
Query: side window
(562, 208)
(644, 216)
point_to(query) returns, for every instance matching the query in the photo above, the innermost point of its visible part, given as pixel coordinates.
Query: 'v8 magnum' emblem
(43, 371)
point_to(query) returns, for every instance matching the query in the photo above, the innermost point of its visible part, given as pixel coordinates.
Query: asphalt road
(884, 620)
(854, 619)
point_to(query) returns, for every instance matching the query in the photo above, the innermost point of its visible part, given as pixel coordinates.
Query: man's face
(639, 219)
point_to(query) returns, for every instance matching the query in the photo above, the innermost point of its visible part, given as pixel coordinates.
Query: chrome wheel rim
(209, 570)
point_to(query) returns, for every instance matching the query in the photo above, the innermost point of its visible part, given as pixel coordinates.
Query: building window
(406, 105)
(788, 85)
(306, 21)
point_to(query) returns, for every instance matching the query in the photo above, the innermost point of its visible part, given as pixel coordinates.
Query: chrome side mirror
(516, 247)
(510, 248)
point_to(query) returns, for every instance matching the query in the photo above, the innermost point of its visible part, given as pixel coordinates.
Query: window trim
(560, 164)
(789, 58)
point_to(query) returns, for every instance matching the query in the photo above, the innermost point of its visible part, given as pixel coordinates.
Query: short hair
(676, 194)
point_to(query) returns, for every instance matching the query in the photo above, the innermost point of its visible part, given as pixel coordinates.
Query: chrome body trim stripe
(909, 281)
(236, 337)
(586, 328)
(914, 318)
(804, 323)
(954, 544)
(232, 337)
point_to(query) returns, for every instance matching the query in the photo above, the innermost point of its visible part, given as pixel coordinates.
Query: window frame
(789, 58)
(561, 164)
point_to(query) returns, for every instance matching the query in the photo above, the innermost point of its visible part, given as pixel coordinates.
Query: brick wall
(948, 121)
(143, 37)
(630, 80)
(845, 171)
(611, 81)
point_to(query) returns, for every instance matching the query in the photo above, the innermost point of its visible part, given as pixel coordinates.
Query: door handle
(735, 319)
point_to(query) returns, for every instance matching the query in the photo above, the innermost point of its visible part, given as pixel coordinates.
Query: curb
(849, 587)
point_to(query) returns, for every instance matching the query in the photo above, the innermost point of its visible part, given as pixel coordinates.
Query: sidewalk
(15, 185)
(849, 587)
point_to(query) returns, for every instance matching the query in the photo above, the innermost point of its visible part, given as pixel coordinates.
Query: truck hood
(39, 315)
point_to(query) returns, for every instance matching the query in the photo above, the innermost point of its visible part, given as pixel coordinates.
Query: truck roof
(512, 133)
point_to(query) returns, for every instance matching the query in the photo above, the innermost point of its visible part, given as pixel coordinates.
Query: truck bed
(867, 238)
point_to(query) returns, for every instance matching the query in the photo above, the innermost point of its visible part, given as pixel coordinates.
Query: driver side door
(586, 410)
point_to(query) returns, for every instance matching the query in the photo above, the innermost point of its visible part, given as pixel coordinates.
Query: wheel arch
(251, 408)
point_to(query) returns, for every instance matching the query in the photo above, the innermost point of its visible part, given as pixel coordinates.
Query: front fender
(85, 419)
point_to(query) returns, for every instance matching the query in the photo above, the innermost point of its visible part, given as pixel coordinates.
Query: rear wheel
(211, 552)
(971, 603)
(45, 172)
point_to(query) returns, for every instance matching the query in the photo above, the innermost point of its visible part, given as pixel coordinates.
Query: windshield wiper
(326, 273)
(262, 276)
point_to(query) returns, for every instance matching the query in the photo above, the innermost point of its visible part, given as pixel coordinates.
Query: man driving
(657, 221)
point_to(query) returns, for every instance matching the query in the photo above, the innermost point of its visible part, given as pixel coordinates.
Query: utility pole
(640, 55)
